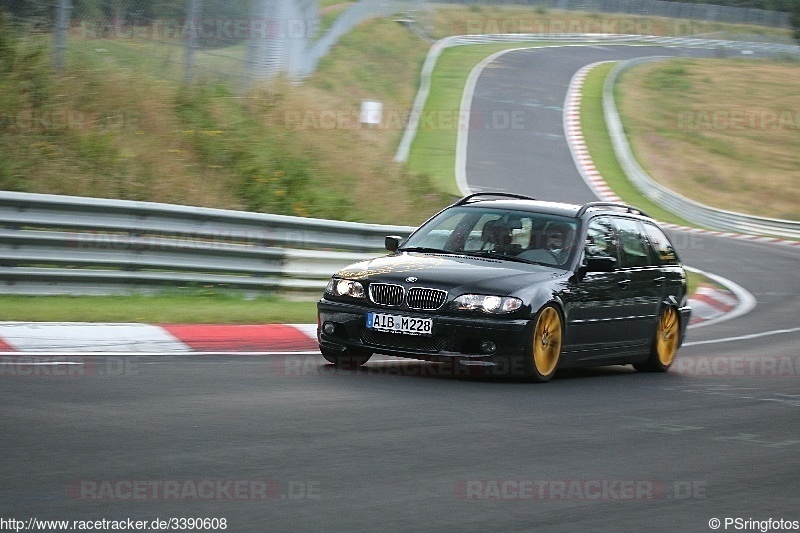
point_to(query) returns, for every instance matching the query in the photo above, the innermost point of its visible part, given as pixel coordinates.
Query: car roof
(533, 206)
(521, 203)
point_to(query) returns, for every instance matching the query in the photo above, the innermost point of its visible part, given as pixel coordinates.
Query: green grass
(748, 167)
(131, 129)
(160, 60)
(161, 308)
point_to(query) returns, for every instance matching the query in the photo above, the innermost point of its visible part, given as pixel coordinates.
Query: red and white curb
(574, 135)
(709, 303)
(142, 339)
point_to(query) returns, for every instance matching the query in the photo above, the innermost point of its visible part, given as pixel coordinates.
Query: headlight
(487, 304)
(345, 287)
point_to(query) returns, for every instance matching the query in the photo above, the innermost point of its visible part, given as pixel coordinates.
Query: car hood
(450, 272)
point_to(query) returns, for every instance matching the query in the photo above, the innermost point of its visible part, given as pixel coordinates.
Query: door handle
(659, 280)
(624, 283)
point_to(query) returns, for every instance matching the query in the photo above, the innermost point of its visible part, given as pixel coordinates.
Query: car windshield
(507, 234)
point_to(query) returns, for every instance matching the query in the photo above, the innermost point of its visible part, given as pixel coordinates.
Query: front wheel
(345, 359)
(545, 349)
(665, 343)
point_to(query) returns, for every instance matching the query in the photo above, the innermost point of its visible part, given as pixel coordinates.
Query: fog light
(488, 347)
(328, 328)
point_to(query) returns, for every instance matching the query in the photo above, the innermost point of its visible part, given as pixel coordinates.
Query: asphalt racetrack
(285, 442)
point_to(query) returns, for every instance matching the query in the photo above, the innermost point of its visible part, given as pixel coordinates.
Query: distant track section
(700, 214)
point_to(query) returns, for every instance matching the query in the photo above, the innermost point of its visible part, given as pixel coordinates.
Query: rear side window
(660, 243)
(633, 244)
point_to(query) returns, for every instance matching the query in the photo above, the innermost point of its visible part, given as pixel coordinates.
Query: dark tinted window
(632, 243)
(660, 243)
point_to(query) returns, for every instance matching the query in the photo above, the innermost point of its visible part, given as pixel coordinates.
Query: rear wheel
(545, 350)
(665, 344)
(345, 359)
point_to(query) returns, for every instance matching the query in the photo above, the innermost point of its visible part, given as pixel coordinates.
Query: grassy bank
(172, 308)
(119, 122)
(736, 149)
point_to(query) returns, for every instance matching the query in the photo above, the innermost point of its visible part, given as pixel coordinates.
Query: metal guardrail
(52, 244)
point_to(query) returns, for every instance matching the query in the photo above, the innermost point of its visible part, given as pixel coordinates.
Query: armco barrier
(52, 244)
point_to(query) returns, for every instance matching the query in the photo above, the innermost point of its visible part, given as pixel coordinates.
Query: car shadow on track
(447, 372)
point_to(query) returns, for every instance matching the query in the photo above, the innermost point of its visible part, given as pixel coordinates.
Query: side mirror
(392, 242)
(601, 264)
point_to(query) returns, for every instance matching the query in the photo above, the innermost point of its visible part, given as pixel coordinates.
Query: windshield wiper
(424, 249)
(498, 255)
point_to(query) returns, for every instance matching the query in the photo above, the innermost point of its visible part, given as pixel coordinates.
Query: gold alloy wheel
(547, 342)
(667, 336)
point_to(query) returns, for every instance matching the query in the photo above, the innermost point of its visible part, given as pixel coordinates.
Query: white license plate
(400, 324)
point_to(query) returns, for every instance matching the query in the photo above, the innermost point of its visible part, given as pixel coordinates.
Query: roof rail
(625, 207)
(466, 199)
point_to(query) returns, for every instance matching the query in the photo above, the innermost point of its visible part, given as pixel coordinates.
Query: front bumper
(463, 340)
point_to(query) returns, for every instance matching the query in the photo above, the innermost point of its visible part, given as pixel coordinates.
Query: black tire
(345, 359)
(665, 342)
(544, 352)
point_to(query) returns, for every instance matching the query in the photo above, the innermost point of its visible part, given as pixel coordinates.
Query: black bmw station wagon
(514, 286)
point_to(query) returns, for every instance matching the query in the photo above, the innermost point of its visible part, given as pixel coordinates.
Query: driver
(558, 240)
